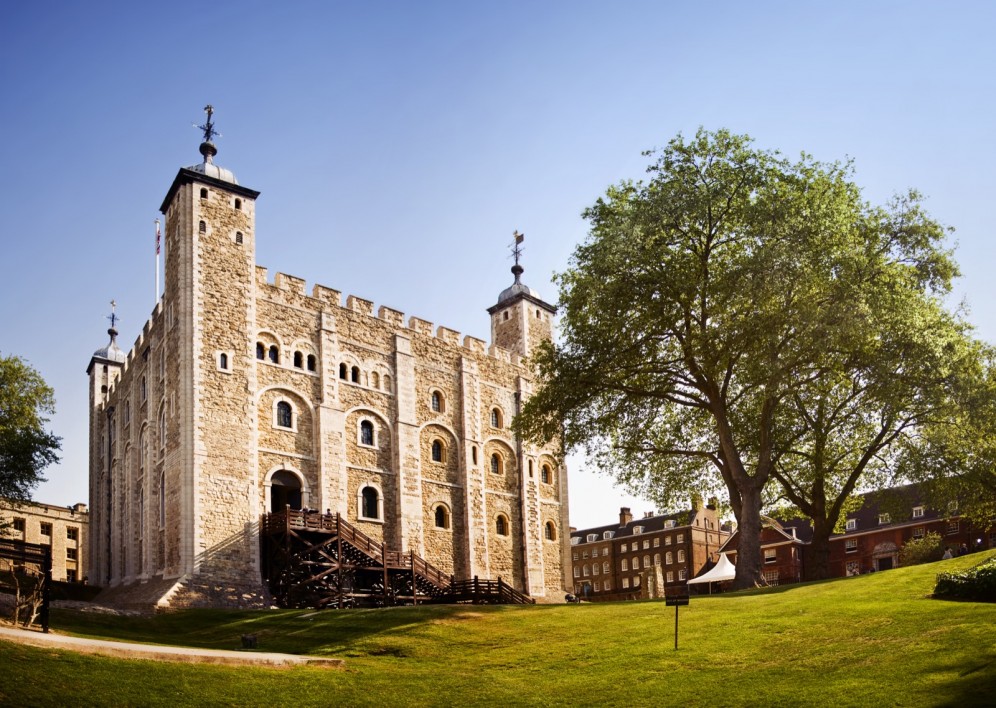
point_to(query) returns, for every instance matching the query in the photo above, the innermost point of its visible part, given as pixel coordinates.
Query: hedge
(977, 583)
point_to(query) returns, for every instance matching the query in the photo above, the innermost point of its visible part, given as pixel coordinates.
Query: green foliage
(854, 641)
(978, 583)
(26, 448)
(741, 316)
(928, 549)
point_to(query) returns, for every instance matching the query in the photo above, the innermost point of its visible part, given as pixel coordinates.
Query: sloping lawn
(873, 640)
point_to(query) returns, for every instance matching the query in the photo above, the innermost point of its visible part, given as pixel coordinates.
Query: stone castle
(241, 396)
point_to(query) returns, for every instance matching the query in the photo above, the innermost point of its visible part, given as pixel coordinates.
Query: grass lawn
(874, 640)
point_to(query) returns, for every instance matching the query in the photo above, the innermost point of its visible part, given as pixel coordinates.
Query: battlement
(292, 290)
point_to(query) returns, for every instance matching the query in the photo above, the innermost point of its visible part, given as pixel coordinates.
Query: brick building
(613, 562)
(63, 528)
(242, 396)
(873, 536)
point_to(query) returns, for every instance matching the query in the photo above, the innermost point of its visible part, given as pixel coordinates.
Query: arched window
(496, 464)
(366, 432)
(387, 383)
(442, 517)
(545, 475)
(202, 227)
(369, 503)
(223, 361)
(550, 531)
(162, 429)
(238, 205)
(312, 363)
(204, 194)
(285, 417)
(437, 451)
(260, 351)
(298, 360)
(343, 369)
(143, 389)
(436, 402)
(354, 374)
(501, 525)
(274, 354)
(495, 418)
(375, 379)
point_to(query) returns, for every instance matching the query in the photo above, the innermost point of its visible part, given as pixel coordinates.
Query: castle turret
(521, 319)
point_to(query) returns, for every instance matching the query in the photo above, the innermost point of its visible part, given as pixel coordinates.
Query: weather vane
(113, 316)
(517, 245)
(208, 127)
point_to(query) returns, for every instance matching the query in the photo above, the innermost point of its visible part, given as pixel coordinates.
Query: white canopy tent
(723, 570)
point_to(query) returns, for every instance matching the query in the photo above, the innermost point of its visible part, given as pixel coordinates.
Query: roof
(649, 524)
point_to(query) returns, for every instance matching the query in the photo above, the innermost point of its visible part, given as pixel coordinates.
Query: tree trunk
(818, 553)
(749, 544)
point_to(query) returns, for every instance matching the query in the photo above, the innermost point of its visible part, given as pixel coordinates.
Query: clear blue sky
(397, 145)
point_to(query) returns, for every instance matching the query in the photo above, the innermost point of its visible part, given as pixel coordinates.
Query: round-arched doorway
(285, 490)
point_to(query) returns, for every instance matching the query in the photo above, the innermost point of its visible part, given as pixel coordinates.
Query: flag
(158, 237)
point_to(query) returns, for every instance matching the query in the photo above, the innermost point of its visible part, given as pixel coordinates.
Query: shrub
(928, 549)
(976, 583)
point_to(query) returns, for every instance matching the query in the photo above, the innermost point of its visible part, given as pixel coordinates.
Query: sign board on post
(676, 597)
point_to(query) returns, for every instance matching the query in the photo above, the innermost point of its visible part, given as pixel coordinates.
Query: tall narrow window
(495, 418)
(223, 361)
(238, 237)
(274, 354)
(355, 374)
(366, 432)
(284, 414)
(202, 227)
(442, 518)
(369, 499)
(437, 451)
(162, 499)
(496, 463)
(343, 369)
(436, 402)
(238, 205)
(545, 474)
(298, 360)
(311, 362)
(260, 351)
(550, 533)
(501, 526)
(204, 194)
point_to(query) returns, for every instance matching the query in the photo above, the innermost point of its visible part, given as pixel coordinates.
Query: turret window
(238, 206)
(204, 195)
(202, 227)
(238, 237)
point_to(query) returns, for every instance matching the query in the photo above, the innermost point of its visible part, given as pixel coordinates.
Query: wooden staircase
(312, 559)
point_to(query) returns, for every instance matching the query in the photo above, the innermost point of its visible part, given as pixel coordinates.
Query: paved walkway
(127, 650)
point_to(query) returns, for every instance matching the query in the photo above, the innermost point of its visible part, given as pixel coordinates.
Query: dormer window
(637, 530)
(917, 512)
(592, 537)
(607, 535)
(883, 519)
(851, 525)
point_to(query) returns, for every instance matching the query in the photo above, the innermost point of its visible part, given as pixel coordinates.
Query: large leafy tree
(708, 300)
(870, 417)
(26, 447)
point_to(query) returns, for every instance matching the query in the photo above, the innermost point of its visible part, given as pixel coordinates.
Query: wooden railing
(486, 591)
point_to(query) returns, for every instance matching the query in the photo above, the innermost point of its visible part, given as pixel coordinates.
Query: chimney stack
(625, 516)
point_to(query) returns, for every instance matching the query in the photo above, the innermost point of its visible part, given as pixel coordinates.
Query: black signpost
(676, 597)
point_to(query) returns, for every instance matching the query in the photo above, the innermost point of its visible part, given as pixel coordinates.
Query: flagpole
(158, 238)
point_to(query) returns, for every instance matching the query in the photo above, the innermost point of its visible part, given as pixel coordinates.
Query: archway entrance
(285, 490)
